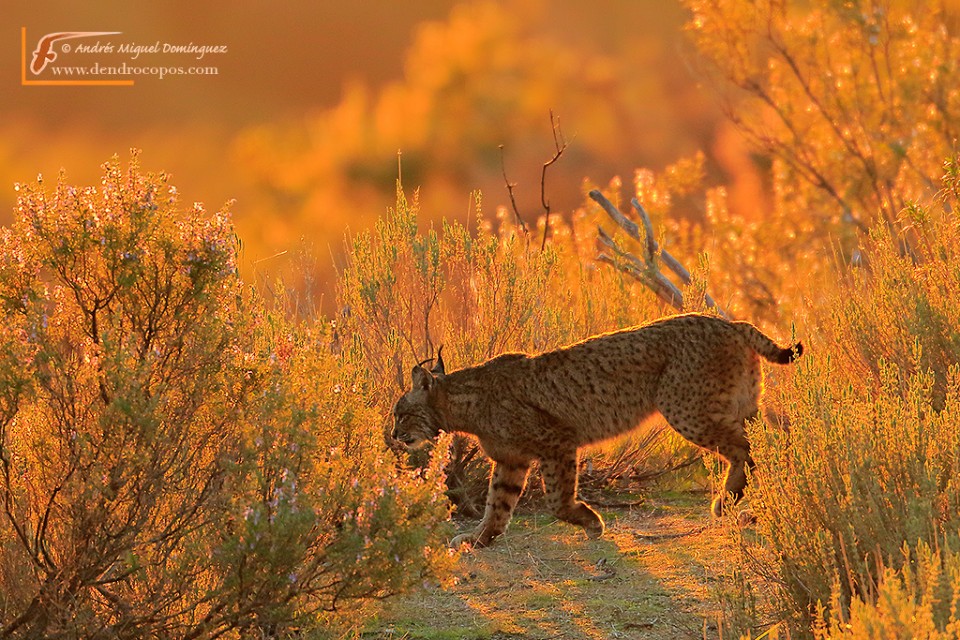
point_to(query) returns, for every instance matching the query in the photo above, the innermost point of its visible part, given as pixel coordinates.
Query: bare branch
(651, 278)
(513, 200)
(625, 223)
(672, 263)
(560, 145)
(653, 247)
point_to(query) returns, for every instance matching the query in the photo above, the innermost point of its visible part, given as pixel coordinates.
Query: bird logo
(44, 53)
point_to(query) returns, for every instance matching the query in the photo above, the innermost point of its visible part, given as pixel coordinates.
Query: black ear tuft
(438, 369)
(422, 379)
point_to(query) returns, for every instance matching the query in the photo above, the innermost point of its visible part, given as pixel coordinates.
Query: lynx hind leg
(737, 456)
(560, 486)
(726, 437)
(506, 484)
(713, 416)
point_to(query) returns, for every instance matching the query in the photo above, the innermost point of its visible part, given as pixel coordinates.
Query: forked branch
(647, 270)
(560, 145)
(633, 267)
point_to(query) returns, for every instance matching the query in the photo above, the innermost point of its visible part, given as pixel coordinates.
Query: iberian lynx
(702, 373)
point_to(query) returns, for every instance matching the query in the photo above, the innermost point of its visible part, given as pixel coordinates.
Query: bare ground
(653, 575)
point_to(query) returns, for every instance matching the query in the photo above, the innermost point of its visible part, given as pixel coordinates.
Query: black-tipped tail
(786, 356)
(765, 347)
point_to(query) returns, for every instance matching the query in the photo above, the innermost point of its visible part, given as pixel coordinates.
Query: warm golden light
(231, 236)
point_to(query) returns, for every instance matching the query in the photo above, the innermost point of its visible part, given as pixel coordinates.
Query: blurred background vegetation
(313, 102)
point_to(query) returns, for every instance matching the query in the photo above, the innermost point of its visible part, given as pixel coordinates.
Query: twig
(669, 536)
(510, 186)
(560, 145)
(654, 248)
(653, 475)
(672, 263)
(276, 255)
(597, 501)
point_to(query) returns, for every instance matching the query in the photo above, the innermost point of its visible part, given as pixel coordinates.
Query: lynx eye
(399, 419)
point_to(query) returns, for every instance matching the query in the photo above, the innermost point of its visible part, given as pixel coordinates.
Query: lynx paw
(583, 516)
(746, 518)
(595, 529)
(473, 539)
(463, 539)
(723, 506)
(717, 507)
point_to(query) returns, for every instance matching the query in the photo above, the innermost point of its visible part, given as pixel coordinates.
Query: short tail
(767, 348)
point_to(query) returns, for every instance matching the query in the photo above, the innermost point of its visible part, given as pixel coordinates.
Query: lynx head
(415, 418)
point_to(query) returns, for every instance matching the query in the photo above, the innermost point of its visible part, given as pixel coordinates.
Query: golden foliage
(175, 460)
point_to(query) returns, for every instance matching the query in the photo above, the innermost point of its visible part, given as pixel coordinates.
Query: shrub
(175, 460)
(856, 477)
(869, 460)
(855, 103)
(903, 301)
(850, 108)
(921, 600)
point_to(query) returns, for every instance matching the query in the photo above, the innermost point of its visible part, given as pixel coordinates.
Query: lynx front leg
(560, 485)
(506, 484)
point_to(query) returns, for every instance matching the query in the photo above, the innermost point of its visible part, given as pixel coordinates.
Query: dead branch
(646, 271)
(560, 145)
(510, 187)
(631, 265)
(596, 501)
(593, 484)
(672, 263)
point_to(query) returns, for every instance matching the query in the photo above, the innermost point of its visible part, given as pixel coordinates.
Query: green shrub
(868, 458)
(856, 476)
(906, 297)
(921, 600)
(175, 460)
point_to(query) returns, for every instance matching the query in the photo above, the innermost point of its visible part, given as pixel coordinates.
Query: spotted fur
(702, 373)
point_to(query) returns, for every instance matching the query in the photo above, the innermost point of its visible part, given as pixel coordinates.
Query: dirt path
(651, 576)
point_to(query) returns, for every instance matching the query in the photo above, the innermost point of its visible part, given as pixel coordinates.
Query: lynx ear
(422, 379)
(438, 369)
